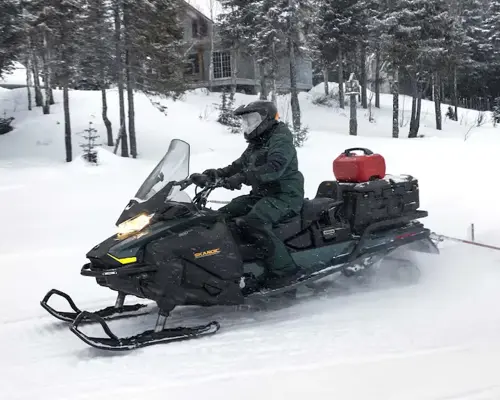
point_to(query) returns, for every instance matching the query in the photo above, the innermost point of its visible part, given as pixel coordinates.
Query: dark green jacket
(270, 166)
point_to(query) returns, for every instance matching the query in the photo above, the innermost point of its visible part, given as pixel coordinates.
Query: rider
(270, 166)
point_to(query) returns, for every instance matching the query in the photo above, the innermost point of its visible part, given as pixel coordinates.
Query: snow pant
(255, 216)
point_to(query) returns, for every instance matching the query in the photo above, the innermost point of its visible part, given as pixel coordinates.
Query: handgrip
(368, 152)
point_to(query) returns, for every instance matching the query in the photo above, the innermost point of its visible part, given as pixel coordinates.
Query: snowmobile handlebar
(203, 181)
(200, 180)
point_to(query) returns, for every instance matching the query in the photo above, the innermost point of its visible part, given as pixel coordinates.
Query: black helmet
(257, 117)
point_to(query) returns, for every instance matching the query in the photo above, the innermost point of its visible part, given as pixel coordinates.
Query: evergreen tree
(496, 111)
(11, 33)
(96, 65)
(492, 32)
(236, 31)
(338, 30)
(89, 147)
(269, 44)
(417, 41)
(226, 113)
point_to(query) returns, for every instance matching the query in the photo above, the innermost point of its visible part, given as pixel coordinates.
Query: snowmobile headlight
(134, 225)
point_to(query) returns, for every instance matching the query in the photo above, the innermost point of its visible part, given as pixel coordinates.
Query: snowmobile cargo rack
(404, 219)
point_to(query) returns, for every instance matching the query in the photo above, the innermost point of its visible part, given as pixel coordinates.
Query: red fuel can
(351, 167)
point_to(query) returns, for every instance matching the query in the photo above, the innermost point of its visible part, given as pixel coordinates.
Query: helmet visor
(250, 121)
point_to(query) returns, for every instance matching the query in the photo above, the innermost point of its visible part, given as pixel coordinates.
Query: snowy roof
(203, 7)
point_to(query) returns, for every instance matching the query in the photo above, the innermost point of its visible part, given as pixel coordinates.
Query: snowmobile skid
(174, 251)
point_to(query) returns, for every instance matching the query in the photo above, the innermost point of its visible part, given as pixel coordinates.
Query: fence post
(472, 233)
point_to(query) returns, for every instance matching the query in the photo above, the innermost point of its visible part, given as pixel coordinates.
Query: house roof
(196, 10)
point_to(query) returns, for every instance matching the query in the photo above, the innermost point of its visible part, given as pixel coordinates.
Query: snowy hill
(436, 340)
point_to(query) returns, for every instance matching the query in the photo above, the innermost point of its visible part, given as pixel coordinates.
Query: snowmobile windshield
(174, 166)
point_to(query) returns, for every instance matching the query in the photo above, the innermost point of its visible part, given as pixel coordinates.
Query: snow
(436, 340)
(15, 77)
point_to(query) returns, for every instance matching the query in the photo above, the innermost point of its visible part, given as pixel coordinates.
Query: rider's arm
(280, 154)
(236, 167)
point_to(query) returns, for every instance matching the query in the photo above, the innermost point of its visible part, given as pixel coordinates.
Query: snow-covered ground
(437, 340)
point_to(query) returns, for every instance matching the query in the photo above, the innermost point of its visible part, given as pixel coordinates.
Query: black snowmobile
(176, 251)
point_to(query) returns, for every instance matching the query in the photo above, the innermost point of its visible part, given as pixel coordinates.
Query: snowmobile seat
(329, 189)
(318, 209)
(288, 228)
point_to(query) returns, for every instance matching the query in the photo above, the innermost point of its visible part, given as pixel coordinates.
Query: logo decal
(207, 253)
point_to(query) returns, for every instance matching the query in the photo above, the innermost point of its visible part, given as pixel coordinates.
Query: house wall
(187, 25)
(247, 70)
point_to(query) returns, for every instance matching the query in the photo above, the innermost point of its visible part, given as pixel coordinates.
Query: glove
(234, 182)
(212, 174)
(199, 179)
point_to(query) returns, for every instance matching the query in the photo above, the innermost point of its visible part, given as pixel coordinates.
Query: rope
(441, 238)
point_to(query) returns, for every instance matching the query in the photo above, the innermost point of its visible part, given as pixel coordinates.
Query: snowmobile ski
(117, 311)
(146, 338)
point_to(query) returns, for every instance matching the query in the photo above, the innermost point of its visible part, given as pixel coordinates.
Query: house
(197, 32)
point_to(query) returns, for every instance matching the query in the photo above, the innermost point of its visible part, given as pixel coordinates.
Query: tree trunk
(107, 122)
(46, 73)
(353, 121)
(129, 62)
(294, 101)
(274, 72)
(263, 82)
(234, 72)
(325, 79)
(419, 108)
(362, 71)
(442, 95)
(412, 133)
(211, 61)
(416, 110)
(36, 79)
(432, 88)
(119, 74)
(455, 92)
(395, 104)
(377, 77)
(28, 77)
(341, 77)
(131, 108)
(437, 100)
(52, 78)
(67, 122)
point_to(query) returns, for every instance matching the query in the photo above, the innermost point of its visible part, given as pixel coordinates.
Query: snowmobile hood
(158, 188)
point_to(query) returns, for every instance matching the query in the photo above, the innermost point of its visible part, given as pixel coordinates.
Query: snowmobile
(176, 251)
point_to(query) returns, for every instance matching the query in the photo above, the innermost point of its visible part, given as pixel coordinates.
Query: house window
(222, 64)
(193, 65)
(203, 28)
(194, 28)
